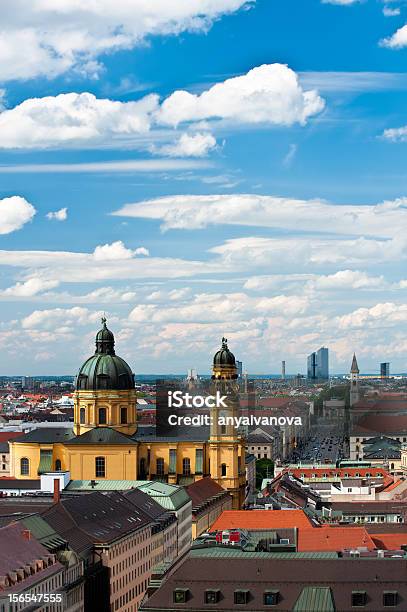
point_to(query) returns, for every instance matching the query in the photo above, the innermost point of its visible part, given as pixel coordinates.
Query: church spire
(354, 367)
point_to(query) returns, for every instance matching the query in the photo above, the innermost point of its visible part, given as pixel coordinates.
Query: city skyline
(132, 185)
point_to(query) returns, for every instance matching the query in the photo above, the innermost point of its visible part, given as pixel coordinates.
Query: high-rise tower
(226, 445)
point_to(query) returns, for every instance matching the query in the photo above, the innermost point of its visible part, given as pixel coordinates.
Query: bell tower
(226, 445)
(354, 395)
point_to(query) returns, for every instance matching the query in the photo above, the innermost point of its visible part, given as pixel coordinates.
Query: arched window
(186, 466)
(24, 466)
(58, 465)
(82, 415)
(102, 416)
(100, 467)
(223, 469)
(123, 416)
(160, 467)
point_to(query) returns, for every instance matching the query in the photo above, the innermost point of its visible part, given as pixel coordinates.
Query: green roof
(43, 532)
(102, 485)
(45, 462)
(317, 599)
(171, 497)
(222, 552)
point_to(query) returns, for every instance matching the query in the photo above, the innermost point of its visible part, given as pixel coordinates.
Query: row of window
(273, 597)
(102, 416)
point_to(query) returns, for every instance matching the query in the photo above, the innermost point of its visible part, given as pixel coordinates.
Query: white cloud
(396, 134)
(197, 144)
(341, 2)
(73, 119)
(47, 38)
(15, 212)
(382, 315)
(108, 167)
(397, 41)
(266, 94)
(29, 288)
(116, 251)
(349, 279)
(63, 318)
(390, 12)
(200, 211)
(58, 215)
(339, 81)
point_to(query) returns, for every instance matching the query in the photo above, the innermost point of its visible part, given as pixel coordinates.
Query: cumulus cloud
(386, 314)
(116, 251)
(266, 94)
(58, 215)
(15, 212)
(349, 279)
(47, 38)
(398, 40)
(197, 144)
(200, 211)
(64, 318)
(29, 288)
(73, 119)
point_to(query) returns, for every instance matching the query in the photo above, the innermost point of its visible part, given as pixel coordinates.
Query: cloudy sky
(203, 168)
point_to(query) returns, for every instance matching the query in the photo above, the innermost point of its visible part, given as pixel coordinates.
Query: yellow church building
(104, 443)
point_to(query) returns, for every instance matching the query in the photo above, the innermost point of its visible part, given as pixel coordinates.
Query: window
(223, 469)
(123, 416)
(24, 466)
(186, 466)
(160, 466)
(199, 461)
(58, 465)
(390, 598)
(359, 598)
(102, 416)
(271, 598)
(212, 596)
(180, 595)
(241, 597)
(100, 467)
(82, 415)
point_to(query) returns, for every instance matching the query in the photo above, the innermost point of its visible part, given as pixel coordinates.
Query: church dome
(105, 369)
(224, 357)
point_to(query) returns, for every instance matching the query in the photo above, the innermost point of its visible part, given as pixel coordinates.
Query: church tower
(105, 394)
(226, 445)
(354, 382)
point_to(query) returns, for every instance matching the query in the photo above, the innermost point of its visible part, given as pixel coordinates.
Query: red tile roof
(334, 539)
(390, 541)
(261, 519)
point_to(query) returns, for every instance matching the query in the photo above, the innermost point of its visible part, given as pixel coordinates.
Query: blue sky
(265, 202)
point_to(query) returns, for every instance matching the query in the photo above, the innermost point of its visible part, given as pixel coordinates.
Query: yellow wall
(120, 461)
(113, 401)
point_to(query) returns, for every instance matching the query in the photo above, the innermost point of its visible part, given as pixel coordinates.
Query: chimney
(26, 533)
(57, 495)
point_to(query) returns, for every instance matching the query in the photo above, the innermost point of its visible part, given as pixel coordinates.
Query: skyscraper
(385, 369)
(318, 365)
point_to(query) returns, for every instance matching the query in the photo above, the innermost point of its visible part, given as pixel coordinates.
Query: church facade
(104, 443)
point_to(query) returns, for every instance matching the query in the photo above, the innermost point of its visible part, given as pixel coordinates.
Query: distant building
(239, 368)
(385, 369)
(283, 370)
(318, 365)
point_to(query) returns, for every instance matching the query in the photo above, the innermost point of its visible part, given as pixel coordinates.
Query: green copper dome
(224, 357)
(105, 369)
